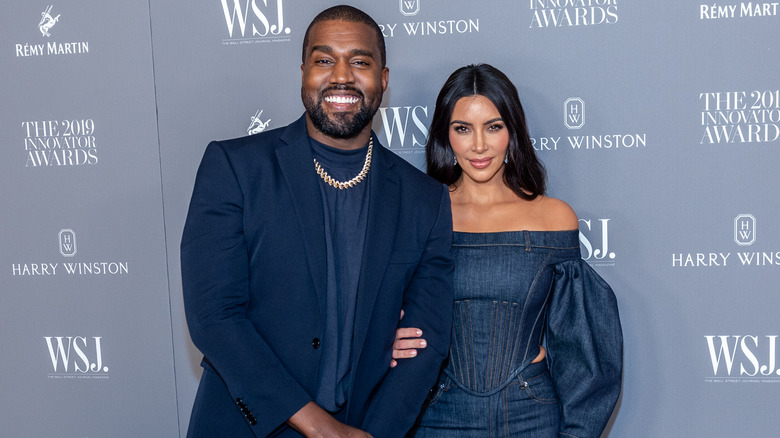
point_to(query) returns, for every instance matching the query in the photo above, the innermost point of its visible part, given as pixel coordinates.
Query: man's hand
(407, 341)
(314, 422)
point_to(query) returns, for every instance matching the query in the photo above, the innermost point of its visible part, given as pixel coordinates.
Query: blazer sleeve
(215, 280)
(396, 403)
(585, 349)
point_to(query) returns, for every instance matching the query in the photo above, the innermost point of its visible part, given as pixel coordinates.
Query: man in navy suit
(301, 247)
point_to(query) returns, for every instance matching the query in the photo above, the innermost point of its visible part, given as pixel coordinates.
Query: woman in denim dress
(536, 341)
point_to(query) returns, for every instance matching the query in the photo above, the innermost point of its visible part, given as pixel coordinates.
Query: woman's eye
(495, 127)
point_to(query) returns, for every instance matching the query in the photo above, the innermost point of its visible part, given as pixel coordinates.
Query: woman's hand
(407, 341)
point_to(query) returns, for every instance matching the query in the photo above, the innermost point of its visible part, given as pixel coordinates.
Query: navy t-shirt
(346, 212)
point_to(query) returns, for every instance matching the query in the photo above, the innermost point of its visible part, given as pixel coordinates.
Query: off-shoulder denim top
(515, 291)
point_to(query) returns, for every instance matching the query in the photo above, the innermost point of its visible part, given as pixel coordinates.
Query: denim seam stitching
(531, 288)
(482, 245)
(491, 343)
(516, 329)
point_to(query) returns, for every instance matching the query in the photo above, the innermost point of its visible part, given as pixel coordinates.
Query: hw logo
(88, 352)
(745, 229)
(598, 255)
(409, 7)
(67, 243)
(574, 113)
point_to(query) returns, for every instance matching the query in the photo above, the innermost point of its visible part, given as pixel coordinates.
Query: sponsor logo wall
(253, 22)
(257, 125)
(69, 265)
(570, 13)
(76, 357)
(740, 117)
(742, 359)
(409, 10)
(728, 10)
(46, 46)
(60, 143)
(658, 122)
(740, 253)
(84, 295)
(594, 242)
(404, 129)
(574, 119)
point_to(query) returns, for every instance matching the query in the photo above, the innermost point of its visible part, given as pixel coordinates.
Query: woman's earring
(506, 158)
(455, 160)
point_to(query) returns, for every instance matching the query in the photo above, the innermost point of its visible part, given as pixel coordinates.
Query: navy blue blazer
(254, 277)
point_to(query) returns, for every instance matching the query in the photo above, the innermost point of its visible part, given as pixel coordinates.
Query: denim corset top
(503, 283)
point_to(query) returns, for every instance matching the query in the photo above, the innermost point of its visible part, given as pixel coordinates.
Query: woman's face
(479, 138)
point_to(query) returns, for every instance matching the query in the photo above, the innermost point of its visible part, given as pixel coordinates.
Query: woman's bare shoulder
(557, 214)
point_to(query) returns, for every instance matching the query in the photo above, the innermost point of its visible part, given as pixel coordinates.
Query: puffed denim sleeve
(585, 348)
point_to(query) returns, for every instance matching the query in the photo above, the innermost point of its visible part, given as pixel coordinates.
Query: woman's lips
(481, 163)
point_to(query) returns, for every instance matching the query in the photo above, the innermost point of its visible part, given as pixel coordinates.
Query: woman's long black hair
(523, 173)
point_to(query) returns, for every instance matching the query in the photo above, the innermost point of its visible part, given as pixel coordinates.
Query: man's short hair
(349, 14)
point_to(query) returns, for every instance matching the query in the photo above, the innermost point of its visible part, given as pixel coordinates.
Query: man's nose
(342, 73)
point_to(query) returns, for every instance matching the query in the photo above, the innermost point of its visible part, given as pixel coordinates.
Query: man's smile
(341, 99)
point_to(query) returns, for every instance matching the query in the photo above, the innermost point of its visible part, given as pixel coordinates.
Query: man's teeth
(341, 99)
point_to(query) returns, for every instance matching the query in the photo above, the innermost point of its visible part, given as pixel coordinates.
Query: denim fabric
(515, 291)
(525, 407)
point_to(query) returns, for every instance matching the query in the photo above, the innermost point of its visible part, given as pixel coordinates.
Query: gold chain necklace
(354, 181)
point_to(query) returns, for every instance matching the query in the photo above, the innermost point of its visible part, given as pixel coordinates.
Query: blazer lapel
(295, 162)
(384, 201)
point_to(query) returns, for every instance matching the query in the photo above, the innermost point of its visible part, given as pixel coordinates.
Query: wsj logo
(76, 354)
(601, 256)
(730, 350)
(409, 7)
(395, 125)
(258, 18)
(67, 243)
(47, 21)
(574, 113)
(745, 229)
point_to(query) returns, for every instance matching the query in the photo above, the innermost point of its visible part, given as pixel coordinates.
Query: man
(301, 247)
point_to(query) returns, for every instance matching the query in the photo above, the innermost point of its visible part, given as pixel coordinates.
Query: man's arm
(427, 304)
(314, 422)
(215, 279)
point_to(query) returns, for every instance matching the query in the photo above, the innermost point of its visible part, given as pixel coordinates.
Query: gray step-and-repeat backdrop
(659, 122)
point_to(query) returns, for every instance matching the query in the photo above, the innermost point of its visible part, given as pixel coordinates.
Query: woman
(536, 341)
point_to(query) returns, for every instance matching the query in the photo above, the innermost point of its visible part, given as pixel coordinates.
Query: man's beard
(342, 125)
